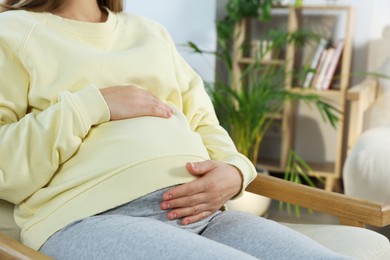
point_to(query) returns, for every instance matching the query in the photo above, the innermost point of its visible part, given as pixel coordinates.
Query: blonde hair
(51, 5)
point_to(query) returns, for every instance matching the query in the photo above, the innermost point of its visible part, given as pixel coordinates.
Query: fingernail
(165, 206)
(193, 165)
(172, 216)
(170, 112)
(186, 222)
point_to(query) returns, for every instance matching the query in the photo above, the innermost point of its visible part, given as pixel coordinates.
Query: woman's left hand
(202, 197)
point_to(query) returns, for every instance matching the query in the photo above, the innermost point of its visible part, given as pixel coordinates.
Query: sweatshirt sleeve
(34, 145)
(199, 110)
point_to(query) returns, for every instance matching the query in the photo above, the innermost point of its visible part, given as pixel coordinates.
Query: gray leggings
(140, 230)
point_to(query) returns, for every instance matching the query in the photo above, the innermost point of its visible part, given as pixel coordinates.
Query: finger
(196, 218)
(150, 104)
(155, 107)
(187, 212)
(200, 168)
(160, 110)
(186, 201)
(187, 189)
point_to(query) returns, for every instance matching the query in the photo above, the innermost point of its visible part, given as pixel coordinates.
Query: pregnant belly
(148, 137)
(117, 144)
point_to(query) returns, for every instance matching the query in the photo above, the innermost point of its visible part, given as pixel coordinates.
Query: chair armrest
(361, 98)
(351, 211)
(367, 87)
(12, 249)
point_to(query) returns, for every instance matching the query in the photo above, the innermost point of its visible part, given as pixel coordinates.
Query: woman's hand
(199, 199)
(128, 102)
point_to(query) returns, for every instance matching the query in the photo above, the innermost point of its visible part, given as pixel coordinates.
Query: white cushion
(358, 243)
(7, 223)
(366, 170)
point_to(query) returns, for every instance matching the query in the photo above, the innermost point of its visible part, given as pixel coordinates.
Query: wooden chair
(351, 211)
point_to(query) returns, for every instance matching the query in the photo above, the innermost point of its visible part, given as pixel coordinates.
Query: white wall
(186, 21)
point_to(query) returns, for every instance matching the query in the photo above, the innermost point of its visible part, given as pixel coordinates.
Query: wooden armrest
(351, 211)
(12, 249)
(367, 87)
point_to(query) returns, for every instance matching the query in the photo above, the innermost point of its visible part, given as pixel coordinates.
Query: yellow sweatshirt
(61, 159)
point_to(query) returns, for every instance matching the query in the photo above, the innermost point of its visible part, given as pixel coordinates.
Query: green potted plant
(248, 111)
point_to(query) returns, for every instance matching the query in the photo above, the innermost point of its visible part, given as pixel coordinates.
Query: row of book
(323, 65)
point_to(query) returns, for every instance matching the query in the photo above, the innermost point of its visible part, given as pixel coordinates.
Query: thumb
(200, 168)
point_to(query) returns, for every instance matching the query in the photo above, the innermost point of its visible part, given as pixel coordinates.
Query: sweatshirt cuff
(93, 104)
(246, 168)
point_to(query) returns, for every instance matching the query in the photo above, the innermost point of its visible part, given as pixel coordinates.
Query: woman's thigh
(264, 238)
(124, 237)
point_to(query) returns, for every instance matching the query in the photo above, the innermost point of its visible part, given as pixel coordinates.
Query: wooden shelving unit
(331, 171)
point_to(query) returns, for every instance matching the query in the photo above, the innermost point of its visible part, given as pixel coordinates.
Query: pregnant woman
(110, 147)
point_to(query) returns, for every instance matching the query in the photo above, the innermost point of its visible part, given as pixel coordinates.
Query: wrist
(240, 178)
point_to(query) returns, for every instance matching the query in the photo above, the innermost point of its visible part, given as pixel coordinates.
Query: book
(315, 62)
(324, 68)
(319, 68)
(333, 64)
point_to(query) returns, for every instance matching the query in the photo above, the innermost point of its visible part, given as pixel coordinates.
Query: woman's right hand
(129, 101)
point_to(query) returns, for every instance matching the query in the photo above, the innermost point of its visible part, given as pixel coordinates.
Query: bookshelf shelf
(323, 169)
(296, 19)
(327, 92)
(326, 8)
(275, 116)
(248, 61)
